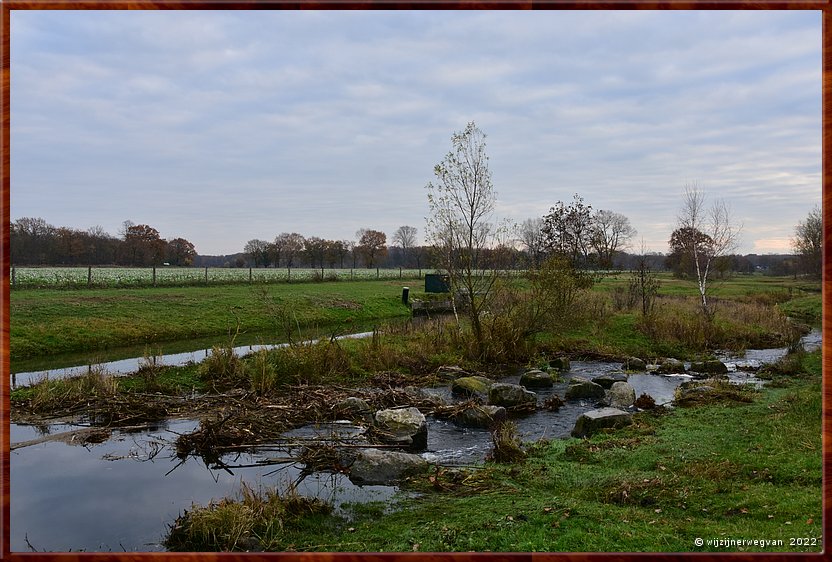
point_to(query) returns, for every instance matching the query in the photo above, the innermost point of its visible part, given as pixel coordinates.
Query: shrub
(222, 366)
(309, 362)
(262, 373)
(49, 395)
(149, 370)
(506, 443)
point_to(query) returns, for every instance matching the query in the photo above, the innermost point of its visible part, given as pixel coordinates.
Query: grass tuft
(253, 521)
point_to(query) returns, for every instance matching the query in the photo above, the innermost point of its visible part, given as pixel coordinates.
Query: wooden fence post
(14, 281)
(377, 274)
(89, 275)
(206, 275)
(288, 273)
(154, 275)
(249, 276)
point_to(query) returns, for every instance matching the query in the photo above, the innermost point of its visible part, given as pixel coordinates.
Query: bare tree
(532, 240)
(290, 245)
(315, 250)
(335, 253)
(717, 224)
(808, 242)
(257, 250)
(644, 285)
(611, 233)
(460, 224)
(349, 245)
(405, 238)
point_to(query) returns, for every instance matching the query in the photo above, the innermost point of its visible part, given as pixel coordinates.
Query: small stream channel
(123, 493)
(126, 360)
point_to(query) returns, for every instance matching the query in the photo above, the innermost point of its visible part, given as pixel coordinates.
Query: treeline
(33, 241)
(593, 240)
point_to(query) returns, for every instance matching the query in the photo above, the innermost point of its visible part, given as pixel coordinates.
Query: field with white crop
(102, 277)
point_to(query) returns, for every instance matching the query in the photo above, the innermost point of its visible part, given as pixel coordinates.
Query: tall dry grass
(735, 325)
(48, 395)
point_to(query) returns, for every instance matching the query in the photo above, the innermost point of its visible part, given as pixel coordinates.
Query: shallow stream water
(124, 493)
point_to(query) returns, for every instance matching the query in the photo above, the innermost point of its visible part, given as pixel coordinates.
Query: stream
(126, 360)
(123, 494)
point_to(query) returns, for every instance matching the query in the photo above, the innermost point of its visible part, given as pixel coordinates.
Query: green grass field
(45, 322)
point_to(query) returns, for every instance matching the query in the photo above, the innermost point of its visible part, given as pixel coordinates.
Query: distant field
(116, 277)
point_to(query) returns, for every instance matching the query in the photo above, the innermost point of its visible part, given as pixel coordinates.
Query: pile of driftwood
(244, 422)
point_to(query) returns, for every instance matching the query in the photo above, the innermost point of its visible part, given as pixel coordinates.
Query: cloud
(240, 125)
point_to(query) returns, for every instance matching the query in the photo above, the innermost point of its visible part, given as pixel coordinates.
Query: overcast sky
(221, 127)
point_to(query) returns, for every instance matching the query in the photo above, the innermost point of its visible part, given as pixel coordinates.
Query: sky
(221, 127)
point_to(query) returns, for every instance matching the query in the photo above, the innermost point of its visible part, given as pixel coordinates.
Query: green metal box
(437, 283)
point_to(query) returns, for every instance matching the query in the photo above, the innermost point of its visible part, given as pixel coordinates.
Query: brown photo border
(826, 83)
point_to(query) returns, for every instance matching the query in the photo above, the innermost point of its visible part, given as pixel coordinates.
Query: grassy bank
(49, 322)
(46, 322)
(717, 471)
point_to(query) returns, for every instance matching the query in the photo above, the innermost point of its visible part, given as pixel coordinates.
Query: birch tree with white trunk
(715, 221)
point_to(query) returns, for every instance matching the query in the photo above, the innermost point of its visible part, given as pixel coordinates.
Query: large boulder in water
(560, 364)
(512, 396)
(536, 379)
(406, 427)
(634, 364)
(593, 421)
(374, 467)
(608, 379)
(480, 416)
(712, 367)
(621, 395)
(583, 388)
(355, 408)
(451, 372)
(472, 386)
(671, 367)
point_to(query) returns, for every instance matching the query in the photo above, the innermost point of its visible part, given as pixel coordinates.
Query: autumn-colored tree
(143, 245)
(372, 244)
(680, 257)
(70, 246)
(180, 252)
